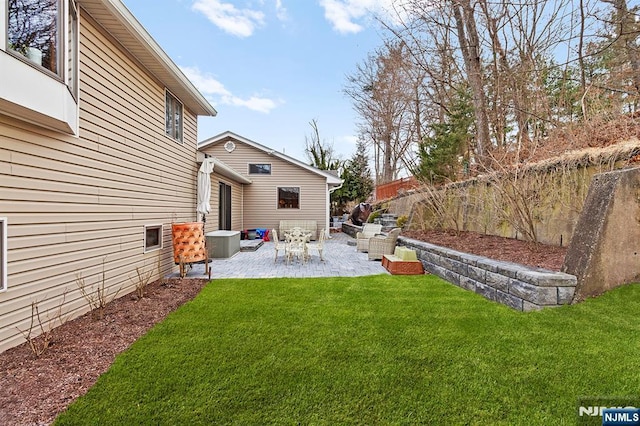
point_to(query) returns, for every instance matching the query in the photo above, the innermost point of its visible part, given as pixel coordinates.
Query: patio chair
(318, 245)
(379, 246)
(362, 238)
(278, 245)
(297, 246)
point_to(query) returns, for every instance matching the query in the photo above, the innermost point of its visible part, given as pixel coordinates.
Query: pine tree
(439, 152)
(358, 184)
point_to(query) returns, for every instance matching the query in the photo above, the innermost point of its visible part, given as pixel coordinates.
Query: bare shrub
(41, 342)
(96, 297)
(143, 278)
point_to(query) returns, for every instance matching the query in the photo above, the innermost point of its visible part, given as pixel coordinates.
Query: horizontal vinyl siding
(77, 207)
(261, 196)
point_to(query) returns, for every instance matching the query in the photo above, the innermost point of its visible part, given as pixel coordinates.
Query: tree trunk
(470, 47)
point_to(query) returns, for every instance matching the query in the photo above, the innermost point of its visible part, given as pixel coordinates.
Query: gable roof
(114, 16)
(330, 175)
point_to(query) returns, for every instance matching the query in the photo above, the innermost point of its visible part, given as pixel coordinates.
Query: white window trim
(3, 254)
(259, 174)
(172, 137)
(160, 228)
(278, 197)
(45, 99)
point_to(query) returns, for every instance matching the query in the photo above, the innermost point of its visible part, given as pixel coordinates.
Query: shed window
(259, 169)
(173, 117)
(3, 253)
(152, 237)
(289, 197)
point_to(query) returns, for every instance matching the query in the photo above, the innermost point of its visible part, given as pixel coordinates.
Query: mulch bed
(499, 248)
(34, 390)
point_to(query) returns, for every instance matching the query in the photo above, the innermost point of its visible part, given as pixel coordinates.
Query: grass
(373, 350)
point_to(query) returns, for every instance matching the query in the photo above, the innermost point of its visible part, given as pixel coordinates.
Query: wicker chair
(379, 246)
(362, 238)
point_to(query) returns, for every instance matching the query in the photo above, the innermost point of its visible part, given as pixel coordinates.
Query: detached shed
(256, 187)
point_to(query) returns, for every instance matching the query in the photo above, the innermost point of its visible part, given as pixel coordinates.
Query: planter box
(396, 266)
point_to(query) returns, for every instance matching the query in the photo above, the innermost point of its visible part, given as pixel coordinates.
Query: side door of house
(224, 206)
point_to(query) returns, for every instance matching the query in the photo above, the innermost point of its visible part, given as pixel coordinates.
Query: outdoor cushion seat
(381, 245)
(362, 238)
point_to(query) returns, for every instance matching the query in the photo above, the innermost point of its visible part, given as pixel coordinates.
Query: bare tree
(471, 53)
(627, 33)
(319, 153)
(385, 92)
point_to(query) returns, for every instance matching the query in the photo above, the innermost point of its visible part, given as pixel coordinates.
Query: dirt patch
(36, 390)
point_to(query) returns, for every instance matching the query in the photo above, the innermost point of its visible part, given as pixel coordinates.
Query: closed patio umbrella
(204, 187)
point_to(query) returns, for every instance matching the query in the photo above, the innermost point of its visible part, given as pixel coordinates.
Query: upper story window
(3, 253)
(259, 169)
(72, 57)
(173, 117)
(33, 31)
(39, 51)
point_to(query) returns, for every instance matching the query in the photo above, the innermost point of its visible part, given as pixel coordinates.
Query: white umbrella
(204, 187)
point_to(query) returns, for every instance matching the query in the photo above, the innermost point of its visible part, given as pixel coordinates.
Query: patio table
(296, 240)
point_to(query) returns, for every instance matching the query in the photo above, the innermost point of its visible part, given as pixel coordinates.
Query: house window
(259, 169)
(152, 237)
(72, 49)
(173, 117)
(33, 31)
(289, 197)
(39, 50)
(3, 253)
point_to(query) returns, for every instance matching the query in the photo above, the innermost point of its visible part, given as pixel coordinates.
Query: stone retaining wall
(517, 286)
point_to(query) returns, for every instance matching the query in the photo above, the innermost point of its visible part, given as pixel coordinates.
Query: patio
(341, 260)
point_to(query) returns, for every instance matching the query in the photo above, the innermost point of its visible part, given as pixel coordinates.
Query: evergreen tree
(358, 184)
(438, 153)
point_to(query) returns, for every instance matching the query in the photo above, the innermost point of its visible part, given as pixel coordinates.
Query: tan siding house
(82, 189)
(273, 178)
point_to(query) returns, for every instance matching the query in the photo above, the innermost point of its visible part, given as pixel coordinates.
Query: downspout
(327, 225)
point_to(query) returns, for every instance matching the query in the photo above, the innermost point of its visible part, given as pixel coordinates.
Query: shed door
(224, 207)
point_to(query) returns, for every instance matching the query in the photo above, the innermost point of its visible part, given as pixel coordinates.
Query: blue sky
(269, 66)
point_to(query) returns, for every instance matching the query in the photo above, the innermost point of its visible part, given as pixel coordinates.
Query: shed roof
(331, 175)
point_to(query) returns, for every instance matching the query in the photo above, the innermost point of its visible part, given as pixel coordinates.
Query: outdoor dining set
(297, 244)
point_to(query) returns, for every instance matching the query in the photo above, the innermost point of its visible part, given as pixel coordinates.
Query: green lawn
(371, 350)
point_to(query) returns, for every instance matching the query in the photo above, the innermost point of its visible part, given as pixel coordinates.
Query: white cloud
(344, 14)
(254, 103)
(238, 22)
(216, 93)
(281, 11)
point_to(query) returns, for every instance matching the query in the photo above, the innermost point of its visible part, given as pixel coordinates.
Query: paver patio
(341, 260)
